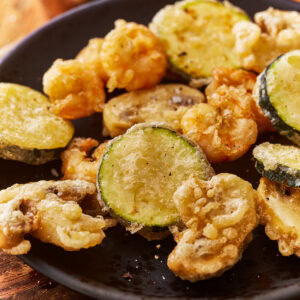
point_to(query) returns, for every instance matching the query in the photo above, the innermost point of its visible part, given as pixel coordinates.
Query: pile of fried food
(214, 215)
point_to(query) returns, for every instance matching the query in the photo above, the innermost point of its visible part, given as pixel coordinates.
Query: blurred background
(20, 17)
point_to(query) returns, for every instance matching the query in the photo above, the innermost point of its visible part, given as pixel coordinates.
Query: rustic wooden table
(20, 282)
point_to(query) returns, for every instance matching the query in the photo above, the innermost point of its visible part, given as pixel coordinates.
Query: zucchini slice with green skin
(141, 170)
(197, 36)
(278, 163)
(279, 94)
(29, 131)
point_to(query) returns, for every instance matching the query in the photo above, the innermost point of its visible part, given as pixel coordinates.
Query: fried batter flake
(219, 215)
(133, 57)
(275, 32)
(49, 211)
(75, 88)
(279, 211)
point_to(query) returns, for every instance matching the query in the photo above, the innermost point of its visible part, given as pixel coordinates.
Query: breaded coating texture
(132, 57)
(219, 215)
(76, 161)
(49, 211)
(279, 211)
(236, 86)
(275, 32)
(165, 103)
(75, 88)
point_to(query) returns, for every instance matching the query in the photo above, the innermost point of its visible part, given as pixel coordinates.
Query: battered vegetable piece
(279, 211)
(29, 131)
(164, 103)
(132, 57)
(275, 32)
(90, 55)
(75, 88)
(225, 131)
(219, 215)
(237, 87)
(76, 161)
(49, 211)
(197, 35)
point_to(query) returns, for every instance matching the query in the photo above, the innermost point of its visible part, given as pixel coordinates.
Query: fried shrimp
(90, 56)
(231, 86)
(49, 211)
(279, 211)
(75, 88)
(223, 132)
(275, 32)
(76, 163)
(133, 57)
(165, 103)
(220, 216)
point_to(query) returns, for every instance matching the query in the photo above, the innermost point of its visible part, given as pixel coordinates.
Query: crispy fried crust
(219, 215)
(279, 211)
(49, 211)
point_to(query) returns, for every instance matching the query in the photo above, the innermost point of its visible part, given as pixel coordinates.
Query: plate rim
(102, 291)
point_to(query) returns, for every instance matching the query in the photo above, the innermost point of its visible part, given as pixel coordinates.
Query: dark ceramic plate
(97, 272)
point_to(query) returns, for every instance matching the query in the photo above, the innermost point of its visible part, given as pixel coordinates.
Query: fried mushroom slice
(50, 211)
(75, 88)
(220, 216)
(164, 103)
(132, 57)
(275, 32)
(279, 211)
(237, 87)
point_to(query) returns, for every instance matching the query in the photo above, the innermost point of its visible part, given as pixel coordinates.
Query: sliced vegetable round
(29, 131)
(141, 170)
(279, 94)
(197, 35)
(279, 163)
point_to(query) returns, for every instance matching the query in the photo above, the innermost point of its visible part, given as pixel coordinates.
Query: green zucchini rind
(279, 163)
(279, 95)
(141, 170)
(197, 36)
(29, 131)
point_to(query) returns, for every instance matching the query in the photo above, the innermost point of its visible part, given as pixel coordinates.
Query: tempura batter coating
(75, 88)
(275, 32)
(49, 211)
(236, 86)
(76, 162)
(90, 55)
(219, 215)
(279, 211)
(133, 57)
(222, 131)
(165, 103)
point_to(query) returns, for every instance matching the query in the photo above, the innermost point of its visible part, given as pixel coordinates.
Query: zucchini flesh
(142, 169)
(279, 94)
(278, 162)
(197, 35)
(29, 131)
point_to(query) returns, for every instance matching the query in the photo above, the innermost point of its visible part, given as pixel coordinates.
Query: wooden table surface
(20, 282)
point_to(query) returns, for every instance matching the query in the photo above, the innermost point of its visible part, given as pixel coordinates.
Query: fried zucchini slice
(278, 93)
(279, 163)
(197, 35)
(165, 103)
(279, 211)
(141, 170)
(29, 131)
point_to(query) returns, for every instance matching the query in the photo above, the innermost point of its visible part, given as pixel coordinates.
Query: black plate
(97, 272)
